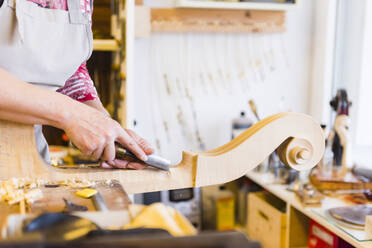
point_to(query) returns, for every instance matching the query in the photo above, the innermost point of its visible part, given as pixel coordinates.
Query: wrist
(96, 104)
(66, 113)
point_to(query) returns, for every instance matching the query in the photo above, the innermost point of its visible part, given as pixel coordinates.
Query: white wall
(353, 72)
(273, 69)
(362, 119)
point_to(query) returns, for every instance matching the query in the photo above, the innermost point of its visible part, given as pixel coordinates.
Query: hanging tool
(253, 107)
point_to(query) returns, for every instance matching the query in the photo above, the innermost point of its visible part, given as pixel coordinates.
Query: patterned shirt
(79, 86)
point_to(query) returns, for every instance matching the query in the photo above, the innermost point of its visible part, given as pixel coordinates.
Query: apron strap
(75, 12)
(17, 5)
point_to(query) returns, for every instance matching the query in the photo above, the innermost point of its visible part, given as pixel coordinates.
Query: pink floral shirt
(79, 86)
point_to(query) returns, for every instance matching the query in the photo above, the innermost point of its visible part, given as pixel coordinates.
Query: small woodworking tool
(152, 160)
(362, 173)
(308, 195)
(72, 207)
(355, 215)
(59, 227)
(86, 193)
(99, 203)
(96, 197)
(124, 154)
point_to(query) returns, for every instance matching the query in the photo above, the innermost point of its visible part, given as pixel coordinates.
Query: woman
(44, 45)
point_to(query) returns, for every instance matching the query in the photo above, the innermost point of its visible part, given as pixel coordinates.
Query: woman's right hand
(95, 134)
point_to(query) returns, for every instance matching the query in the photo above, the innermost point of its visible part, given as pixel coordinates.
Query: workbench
(298, 216)
(113, 195)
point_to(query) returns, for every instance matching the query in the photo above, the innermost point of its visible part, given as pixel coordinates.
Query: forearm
(89, 128)
(26, 103)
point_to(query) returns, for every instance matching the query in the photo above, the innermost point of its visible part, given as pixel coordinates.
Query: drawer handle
(263, 215)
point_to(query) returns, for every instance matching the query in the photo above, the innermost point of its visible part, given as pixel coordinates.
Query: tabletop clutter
(336, 176)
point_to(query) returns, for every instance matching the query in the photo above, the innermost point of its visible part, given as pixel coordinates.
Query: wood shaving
(108, 182)
(15, 190)
(33, 195)
(11, 194)
(74, 183)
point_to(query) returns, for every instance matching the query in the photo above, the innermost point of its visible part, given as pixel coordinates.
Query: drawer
(266, 221)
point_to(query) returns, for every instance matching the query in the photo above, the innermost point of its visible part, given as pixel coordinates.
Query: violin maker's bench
(298, 138)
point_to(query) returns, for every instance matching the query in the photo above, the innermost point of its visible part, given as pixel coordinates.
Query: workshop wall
(189, 86)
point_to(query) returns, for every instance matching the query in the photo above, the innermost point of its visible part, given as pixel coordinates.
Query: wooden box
(266, 220)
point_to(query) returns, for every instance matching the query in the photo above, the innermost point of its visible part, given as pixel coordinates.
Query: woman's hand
(92, 131)
(118, 163)
(95, 134)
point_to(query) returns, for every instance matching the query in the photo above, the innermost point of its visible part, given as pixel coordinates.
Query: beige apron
(43, 46)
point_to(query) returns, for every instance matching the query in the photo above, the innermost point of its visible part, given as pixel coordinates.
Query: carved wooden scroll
(299, 138)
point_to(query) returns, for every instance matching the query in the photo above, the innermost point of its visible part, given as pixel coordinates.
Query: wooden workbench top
(113, 195)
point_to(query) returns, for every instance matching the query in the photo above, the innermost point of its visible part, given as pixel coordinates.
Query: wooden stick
(22, 207)
(299, 138)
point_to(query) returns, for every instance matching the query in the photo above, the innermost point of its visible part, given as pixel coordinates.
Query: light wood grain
(206, 20)
(142, 22)
(236, 5)
(264, 217)
(18, 156)
(106, 45)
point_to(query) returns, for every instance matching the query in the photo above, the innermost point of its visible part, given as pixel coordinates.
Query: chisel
(124, 154)
(152, 160)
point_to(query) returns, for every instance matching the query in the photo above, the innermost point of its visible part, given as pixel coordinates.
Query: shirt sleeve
(80, 86)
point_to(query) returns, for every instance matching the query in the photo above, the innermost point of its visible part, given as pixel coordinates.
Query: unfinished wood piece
(261, 5)
(347, 181)
(18, 156)
(106, 45)
(142, 22)
(265, 217)
(52, 200)
(203, 20)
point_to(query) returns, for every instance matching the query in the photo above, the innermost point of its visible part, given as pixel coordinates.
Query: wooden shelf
(214, 20)
(235, 5)
(266, 181)
(106, 45)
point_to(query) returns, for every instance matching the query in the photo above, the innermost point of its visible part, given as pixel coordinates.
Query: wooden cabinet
(266, 220)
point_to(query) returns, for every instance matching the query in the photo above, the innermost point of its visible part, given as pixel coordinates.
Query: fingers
(141, 142)
(106, 165)
(98, 152)
(109, 152)
(136, 166)
(128, 142)
(123, 164)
